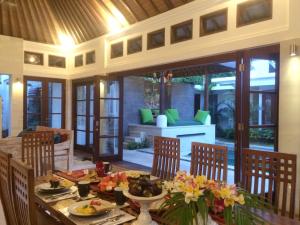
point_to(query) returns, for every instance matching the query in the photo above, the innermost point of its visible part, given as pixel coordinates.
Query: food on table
(143, 187)
(109, 182)
(54, 182)
(89, 209)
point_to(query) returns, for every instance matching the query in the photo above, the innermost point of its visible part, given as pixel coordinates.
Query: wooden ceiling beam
(142, 8)
(54, 26)
(5, 19)
(88, 18)
(131, 10)
(123, 8)
(28, 20)
(170, 4)
(154, 6)
(96, 9)
(13, 23)
(21, 21)
(80, 22)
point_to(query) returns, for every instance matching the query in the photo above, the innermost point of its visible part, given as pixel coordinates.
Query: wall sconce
(18, 83)
(293, 49)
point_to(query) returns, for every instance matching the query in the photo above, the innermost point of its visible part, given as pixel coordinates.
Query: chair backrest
(166, 159)
(38, 151)
(209, 160)
(22, 185)
(272, 175)
(5, 190)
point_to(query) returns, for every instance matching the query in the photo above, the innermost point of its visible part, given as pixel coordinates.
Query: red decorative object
(100, 169)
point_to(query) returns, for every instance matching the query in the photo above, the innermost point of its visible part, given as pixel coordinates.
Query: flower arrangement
(194, 198)
(109, 182)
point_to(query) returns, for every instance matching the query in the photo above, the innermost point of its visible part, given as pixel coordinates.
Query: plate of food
(89, 208)
(55, 185)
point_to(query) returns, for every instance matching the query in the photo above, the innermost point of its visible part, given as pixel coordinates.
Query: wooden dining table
(58, 209)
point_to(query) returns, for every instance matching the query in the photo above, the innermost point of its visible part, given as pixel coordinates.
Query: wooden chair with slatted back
(209, 160)
(22, 188)
(5, 190)
(272, 175)
(166, 159)
(38, 151)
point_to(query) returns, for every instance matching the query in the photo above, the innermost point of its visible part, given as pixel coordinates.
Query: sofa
(62, 151)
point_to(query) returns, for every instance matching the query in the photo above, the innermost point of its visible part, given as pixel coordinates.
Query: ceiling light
(66, 41)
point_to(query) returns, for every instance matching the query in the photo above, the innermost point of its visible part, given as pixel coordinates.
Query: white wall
(11, 62)
(289, 106)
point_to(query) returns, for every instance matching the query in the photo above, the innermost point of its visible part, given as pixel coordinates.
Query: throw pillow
(57, 138)
(174, 113)
(201, 116)
(146, 116)
(170, 119)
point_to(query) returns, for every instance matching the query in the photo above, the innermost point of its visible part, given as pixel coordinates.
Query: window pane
(262, 138)
(54, 105)
(109, 89)
(81, 123)
(262, 108)
(108, 146)
(81, 93)
(91, 123)
(55, 90)
(34, 105)
(33, 120)
(109, 108)
(55, 120)
(91, 138)
(116, 50)
(262, 75)
(91, 108)
(80, 138)
(34, 88)
(109, 127)
(81, 107)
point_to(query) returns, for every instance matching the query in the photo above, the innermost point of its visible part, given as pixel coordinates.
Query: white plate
(106, 207)
(46, 188)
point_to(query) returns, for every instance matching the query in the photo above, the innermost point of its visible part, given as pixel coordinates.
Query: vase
(144, 218)
(161, 121)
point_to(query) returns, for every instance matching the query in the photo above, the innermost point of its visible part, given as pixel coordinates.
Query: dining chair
(209, 160)
(22, 187)
(38, 151)
(271, 175)
(5, 193)
(166, 159)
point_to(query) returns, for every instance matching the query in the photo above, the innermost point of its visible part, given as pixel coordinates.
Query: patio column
(162, 93)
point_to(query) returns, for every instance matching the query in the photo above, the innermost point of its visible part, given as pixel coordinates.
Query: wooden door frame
(95, 80)
(44, 96)
(75, 83)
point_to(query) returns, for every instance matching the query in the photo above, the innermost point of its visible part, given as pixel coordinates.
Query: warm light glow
(67, 42)
(293, 49)
(31, 59)
(114, 18)
(18, 84)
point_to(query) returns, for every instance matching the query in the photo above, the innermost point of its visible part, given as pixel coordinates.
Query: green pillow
(170, 119)
(174, 113)
(146, 116)
(201, 116)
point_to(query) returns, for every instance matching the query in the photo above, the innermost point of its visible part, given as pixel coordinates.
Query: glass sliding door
(261, 99)
(83, 109)
(44, 102)
(108, 114)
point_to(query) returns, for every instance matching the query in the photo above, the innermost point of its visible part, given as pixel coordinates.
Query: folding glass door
(44, 102)
(83, 118)
(96, 117)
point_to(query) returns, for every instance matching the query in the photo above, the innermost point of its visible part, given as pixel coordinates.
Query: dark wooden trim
(151, 34)
(175, 39)
(239, 23)
(44, 109)
(202, 31)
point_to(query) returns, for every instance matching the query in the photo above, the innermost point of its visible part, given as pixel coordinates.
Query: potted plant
(198, 201)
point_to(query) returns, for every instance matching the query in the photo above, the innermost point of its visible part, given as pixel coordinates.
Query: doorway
(97, 117)
(239, 89)
(44, 102)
